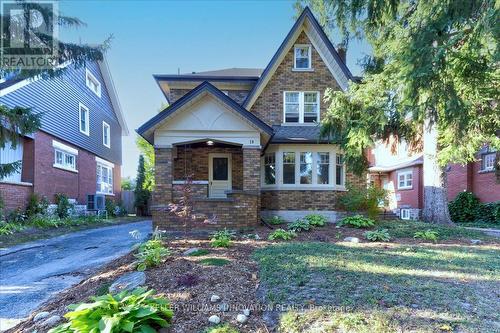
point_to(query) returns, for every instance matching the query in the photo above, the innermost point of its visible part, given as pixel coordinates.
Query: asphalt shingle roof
(297, 134)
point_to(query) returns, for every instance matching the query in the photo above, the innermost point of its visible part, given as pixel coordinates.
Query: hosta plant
(299, 225)
(380, 235)
(316, 220)
(280, 234)
(357, 221)
(221, 238)
(276, 220)
(129, 311)
(150, 254)
(427, 235)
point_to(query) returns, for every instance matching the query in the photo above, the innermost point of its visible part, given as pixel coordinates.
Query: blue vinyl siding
(58, 99)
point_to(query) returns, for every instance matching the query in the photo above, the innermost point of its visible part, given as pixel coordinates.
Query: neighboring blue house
(77, 150)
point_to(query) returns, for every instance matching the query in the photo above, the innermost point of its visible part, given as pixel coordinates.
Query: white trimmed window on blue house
(84, 119)
(106, 134)
(92, 83)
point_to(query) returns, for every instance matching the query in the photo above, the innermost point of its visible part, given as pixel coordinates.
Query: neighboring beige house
(250, 138)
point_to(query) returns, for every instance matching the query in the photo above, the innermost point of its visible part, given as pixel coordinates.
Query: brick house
(77, 150)
(401, 173)
(250, 138)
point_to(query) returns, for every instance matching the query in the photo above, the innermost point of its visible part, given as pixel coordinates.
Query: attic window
(302, 57)
(92, 83)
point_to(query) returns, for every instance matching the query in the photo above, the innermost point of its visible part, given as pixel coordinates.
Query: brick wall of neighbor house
(48, 180)
(410, 198)
(15, 196)
(470, 178)
(194, 161)
(269, 105)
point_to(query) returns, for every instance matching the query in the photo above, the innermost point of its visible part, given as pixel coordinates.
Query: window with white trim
(64, 160)
(84, 119)
(104, 179)
(323, 168)
(339, 170)
(306, 163)
(488, 162)
(270, 168)
(289, 168)
(404, 214)
(106, 132)
(301, 107)
(92, 83)
(302, 57)
(405, 179)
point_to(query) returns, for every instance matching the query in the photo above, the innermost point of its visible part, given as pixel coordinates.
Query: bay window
(289, 168)
(306, 168)
(323, 168)
(339, 170)
(301, 107)
(270, 169)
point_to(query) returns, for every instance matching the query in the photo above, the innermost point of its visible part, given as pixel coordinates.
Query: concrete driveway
(33, 272)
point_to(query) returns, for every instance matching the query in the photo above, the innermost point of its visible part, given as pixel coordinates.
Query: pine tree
(142, 194)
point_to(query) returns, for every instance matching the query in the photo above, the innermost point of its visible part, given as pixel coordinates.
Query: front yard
(318, 282)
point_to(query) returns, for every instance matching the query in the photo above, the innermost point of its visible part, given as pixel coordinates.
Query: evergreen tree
(432, 80)
(142, 194)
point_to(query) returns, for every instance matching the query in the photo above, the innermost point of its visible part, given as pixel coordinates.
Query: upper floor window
(106, 132)
(302, 58)
(92, 83)
(84, 119)
(488, 162)
(301, 107)
(405, 179)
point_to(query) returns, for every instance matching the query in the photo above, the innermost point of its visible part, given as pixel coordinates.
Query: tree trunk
(435, 194)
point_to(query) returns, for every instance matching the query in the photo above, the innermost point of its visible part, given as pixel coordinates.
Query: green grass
(406, 229)
(375, 288)
(213, 262)
(199, 253)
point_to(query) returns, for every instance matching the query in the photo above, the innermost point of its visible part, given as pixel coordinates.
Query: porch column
(162, 193)
(251, 169)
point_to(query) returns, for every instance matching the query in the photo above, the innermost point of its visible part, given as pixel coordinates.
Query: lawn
(317, 282)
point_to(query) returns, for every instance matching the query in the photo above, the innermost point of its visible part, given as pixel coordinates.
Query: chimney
(341, 50)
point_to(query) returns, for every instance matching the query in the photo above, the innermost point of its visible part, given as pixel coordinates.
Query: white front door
(219, 175)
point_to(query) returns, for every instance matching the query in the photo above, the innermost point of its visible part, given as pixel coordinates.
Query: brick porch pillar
(162, 194)
(251, 181)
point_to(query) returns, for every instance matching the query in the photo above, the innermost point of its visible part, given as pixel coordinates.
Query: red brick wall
(470, 178)
(48, 180)
(409, 197)
(14, 196)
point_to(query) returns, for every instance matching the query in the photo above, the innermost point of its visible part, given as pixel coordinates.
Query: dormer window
(302, 57)
(92, 83)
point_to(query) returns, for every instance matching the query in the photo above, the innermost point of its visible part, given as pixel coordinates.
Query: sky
(162, 37)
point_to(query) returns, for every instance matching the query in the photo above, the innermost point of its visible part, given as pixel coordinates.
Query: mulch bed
(236, 282)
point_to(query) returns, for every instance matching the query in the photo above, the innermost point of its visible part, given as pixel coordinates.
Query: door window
(220, 168)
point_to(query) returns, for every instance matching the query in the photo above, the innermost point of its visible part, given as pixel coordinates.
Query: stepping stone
(41, 315)
(214, 319)
(128, 281)
(190, 251)
(351, 239)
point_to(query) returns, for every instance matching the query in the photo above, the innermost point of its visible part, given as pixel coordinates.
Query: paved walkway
(488, 231)
(33, 272)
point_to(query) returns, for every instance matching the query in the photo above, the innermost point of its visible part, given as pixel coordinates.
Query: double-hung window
(104, 179)
(289, 168)
(405, 180)
(64, 156)
(306, 162)
(92, 83)
(84, 119)
(106, 131)
(270, 168)
(302, 57)
(323, 168)
(301, 107)
(488, 162)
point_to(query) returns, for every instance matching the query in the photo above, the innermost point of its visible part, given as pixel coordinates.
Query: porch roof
(148, 128)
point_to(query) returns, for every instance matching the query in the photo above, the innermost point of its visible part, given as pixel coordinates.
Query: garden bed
(406, 284)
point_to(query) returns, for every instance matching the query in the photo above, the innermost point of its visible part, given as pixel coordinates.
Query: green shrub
(299, 225)
(214, 262)
(129, 311)
(316, 220)
(489, 212)
(46, 222)
(357, 221)
(150, 254)
(110, 207)
(16, 216)
(222, 328)
(427, 235)
(363, 199)
(464, 207)
(380, 235)
(10, 228)
(276, 220)
(63, 206)
(221, 238)
(280, 234)
(36, 205)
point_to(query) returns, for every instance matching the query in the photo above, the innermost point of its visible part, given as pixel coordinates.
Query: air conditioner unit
(96, 202)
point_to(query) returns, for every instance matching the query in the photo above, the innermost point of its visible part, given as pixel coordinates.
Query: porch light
(210, 143)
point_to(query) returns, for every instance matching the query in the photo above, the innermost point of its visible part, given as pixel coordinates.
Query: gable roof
(310, 25)
(10, 85)
(147, 128)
